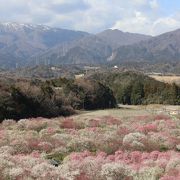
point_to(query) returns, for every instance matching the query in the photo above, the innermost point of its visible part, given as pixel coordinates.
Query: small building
(53, 68)
(78, 76)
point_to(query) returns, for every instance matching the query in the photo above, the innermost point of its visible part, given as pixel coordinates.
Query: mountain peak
(118, 38)
(113, 30)
(162, 48)
(20, 41)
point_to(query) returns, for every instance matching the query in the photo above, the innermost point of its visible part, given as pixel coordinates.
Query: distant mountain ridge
(88, 50)
(18, 42)
(117, 38)
(30, 45)
(93, 49)
(162, 48)
(13, 26)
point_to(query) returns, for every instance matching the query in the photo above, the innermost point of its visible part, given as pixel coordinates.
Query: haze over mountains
(92, 49)
(163, 48)
(26, 44)
(18, 42)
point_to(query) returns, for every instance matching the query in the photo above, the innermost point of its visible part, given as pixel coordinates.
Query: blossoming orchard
(103, 148)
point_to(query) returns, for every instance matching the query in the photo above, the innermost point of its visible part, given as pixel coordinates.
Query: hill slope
(94, 49)
(88, 50)
(117, 38)
(18, 42)
(165, 47)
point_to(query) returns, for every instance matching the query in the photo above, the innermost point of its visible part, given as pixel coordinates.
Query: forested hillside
(136, 88)
(60, 97)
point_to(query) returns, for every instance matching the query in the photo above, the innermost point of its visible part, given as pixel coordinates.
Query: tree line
(136, 89)
(52, 98)
(63, 97)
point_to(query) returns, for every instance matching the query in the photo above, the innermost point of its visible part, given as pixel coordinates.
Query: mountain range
(92, 49)
(162, 48)
(29, 45)
(19, 42)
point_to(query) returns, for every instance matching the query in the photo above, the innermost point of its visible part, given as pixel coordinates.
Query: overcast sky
(140, 16)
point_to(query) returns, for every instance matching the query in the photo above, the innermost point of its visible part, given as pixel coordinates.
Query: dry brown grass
(167, 79)
(118, 113)
(127, 111)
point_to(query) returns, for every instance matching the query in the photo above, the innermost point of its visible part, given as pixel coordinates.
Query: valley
(88, 106)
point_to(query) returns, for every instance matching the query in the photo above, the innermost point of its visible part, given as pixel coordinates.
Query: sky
(151, 17)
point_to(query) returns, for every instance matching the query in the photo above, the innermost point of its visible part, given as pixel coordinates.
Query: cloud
(62, 6)
(138, 23)
(154, 4)
(140, 16)
(165, 24)
(145, 25)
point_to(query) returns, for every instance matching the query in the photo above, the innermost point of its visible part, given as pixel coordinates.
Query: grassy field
(127, 111)
(117, 113)
(167, 79)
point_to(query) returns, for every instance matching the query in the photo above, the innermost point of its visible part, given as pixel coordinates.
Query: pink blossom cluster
(140, 147)
(136, 164)
(88, 166)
